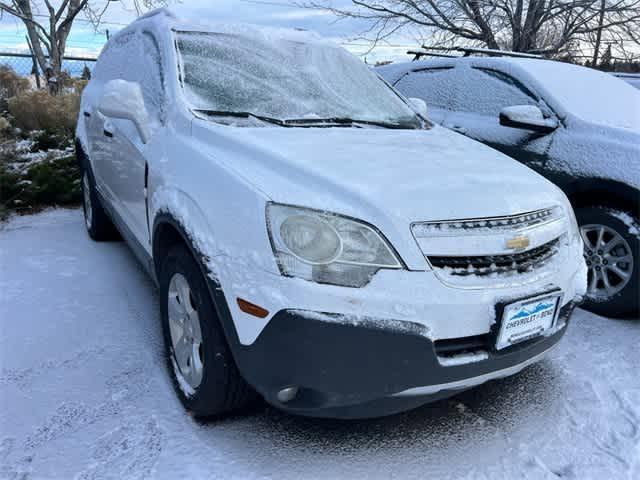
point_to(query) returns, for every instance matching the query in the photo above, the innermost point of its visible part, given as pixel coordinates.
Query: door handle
(459, 129)
(107, 133)
(86, 114)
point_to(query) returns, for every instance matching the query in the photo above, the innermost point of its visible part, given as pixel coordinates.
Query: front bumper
(354, 368)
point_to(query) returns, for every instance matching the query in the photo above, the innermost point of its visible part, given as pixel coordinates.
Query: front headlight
(325, 247)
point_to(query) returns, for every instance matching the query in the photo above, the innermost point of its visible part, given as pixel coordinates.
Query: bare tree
(48, 24)
(538, 26)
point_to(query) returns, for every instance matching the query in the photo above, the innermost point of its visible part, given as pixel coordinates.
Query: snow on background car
(85, 392)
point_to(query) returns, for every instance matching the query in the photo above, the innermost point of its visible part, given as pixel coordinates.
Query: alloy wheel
(609, 260)
(184, 327)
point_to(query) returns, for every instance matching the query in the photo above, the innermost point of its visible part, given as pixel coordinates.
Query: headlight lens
(325, 247)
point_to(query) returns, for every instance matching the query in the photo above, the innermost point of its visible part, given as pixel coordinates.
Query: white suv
(314, 239)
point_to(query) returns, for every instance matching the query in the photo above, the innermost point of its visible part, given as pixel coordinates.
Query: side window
(486, 92)
(433, 85)
(151, 77)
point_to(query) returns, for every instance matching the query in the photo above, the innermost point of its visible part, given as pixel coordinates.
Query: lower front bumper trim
(473, 381)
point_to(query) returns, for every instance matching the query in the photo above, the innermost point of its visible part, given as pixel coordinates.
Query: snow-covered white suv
(314, 239)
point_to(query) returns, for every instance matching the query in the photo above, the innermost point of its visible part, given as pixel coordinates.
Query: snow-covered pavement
(84, 392)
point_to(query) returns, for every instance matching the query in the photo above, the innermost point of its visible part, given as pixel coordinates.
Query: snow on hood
(411, 175)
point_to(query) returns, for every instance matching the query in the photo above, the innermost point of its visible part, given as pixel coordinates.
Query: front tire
(204, 372)
(612, 252)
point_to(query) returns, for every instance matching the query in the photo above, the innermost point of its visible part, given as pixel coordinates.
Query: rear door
(114, 63)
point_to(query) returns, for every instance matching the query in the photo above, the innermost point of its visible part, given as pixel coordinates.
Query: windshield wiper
(223, 113)
(304, 122)
(344, 121)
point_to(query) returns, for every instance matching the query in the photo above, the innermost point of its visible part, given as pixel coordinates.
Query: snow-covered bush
(49, 182)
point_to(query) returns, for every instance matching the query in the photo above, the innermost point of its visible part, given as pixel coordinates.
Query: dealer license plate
(527, 319)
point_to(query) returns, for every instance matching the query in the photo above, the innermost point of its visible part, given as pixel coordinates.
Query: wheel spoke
(600, 237)
(195, 327)
(611, 244)
(584, 231)
(196, 366)
(626, 258)
(184, 293)
(176, 310)
(619, 272)
(594, 281)
(182, 351)
(605, 280)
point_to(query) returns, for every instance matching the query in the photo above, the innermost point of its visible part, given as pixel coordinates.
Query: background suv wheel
(612, 252)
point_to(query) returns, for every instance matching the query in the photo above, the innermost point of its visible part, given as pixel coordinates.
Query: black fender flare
(164, 219)
(589, 191)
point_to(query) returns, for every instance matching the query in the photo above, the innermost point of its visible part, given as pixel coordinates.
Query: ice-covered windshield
(284, 79)
(589, 94)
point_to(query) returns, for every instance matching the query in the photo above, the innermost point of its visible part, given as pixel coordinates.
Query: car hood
(404, 175)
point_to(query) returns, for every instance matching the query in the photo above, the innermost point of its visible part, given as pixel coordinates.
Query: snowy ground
(84, 392)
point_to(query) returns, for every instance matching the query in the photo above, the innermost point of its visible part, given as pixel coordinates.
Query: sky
(86, 41)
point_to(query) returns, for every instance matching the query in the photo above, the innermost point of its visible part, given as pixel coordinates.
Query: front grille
(494, 224)
(489, 264)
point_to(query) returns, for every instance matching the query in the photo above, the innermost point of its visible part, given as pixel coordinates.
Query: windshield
(589, 94)
(285, 80)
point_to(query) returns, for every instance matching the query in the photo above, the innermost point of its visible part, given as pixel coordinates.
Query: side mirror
(122, 99)
(419, 106)
(527, 117)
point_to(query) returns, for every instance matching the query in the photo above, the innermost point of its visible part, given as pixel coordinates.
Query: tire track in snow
(24, 378)
(138, 453)
(614, 432)
(129, 451)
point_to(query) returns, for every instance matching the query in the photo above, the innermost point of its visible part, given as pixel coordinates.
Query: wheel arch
(169, 231)
(81, 154)
(586, 192)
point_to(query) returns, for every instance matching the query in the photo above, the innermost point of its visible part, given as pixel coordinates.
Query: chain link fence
(23, 64)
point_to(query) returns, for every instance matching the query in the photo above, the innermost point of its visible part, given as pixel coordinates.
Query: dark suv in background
(576, 126)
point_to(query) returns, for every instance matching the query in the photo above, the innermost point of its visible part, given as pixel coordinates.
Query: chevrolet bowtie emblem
(518, 243)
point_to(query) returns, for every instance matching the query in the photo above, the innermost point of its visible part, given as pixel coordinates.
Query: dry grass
(37, 110)
(11, 84)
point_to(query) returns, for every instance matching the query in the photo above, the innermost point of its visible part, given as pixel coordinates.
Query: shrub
(45, 140)
(11, 84)
(37, 110)
(49, 183)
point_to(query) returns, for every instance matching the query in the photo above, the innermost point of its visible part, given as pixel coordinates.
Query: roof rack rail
(468, 51)
(418, 54)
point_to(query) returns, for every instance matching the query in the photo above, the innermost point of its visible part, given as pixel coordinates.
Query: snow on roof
(172, 20)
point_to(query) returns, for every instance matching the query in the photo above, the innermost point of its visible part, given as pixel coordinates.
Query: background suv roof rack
(468, 51)
(419, 54)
